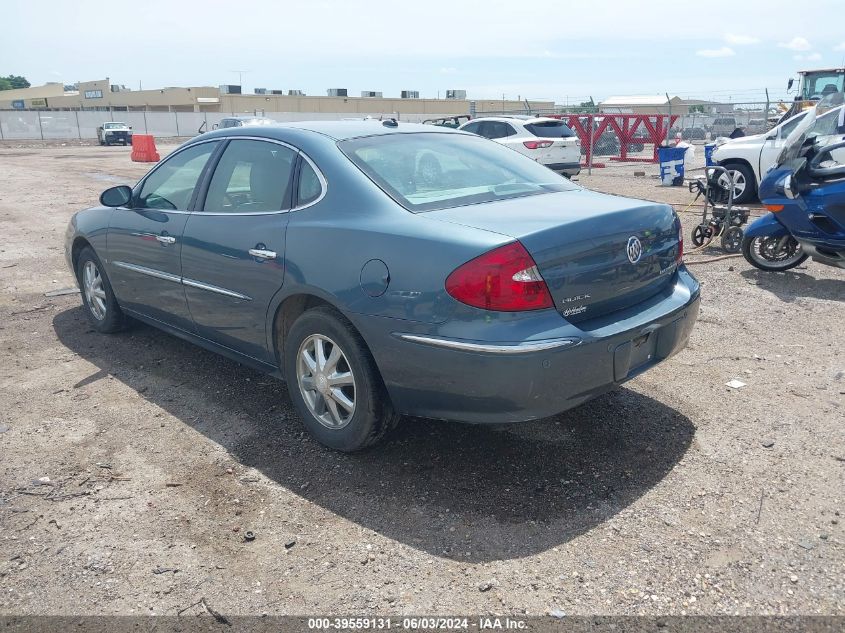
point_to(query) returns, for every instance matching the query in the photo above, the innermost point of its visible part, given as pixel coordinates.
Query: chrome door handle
(166, 239)
(262, 254)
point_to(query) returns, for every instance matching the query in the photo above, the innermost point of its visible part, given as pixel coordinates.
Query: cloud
(716, 52)
(796, 44)
(812, 57)
(448, 70)
(840, 47)
(740, 40)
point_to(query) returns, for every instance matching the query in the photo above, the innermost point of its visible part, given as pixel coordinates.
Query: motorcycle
(805, 195)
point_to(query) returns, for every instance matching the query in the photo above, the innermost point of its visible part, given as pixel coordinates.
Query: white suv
(548, 141)
(748, 158)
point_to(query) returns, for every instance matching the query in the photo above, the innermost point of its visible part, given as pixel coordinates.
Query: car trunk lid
(597, 253)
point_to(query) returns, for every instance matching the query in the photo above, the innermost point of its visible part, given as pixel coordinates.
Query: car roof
(521, 118)
(336, 130)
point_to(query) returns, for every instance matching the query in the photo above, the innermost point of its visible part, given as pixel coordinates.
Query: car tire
(322, 403)
(101, 307)
(746, 174)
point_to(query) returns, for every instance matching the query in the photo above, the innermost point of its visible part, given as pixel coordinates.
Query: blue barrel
(708, 154)
(671, 165)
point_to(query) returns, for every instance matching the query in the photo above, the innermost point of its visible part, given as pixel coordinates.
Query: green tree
(12, 82)
(696, 108)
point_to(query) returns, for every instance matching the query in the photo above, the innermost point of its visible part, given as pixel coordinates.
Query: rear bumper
(570, 169)
(436, 374)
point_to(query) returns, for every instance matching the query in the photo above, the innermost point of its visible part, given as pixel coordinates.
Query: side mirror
(119, 196)
(130, 127)
(215, 126)
(772, 136)
(789, 84)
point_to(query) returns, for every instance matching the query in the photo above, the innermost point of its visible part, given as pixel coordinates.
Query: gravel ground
(131, 466)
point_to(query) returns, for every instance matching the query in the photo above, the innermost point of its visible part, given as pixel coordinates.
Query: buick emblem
(635, 249)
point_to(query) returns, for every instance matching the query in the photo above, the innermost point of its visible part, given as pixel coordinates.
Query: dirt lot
(674, 494)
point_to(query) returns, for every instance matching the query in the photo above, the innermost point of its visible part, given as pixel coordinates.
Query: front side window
(251, 176)
(790, 125)
(171, 186)
(427, 171)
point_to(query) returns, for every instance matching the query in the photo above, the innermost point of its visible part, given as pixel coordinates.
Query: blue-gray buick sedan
(386, 268)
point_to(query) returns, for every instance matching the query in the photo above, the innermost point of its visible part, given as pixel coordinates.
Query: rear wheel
(732, 239)
(101, 308)
(334, 383)
(773, 253)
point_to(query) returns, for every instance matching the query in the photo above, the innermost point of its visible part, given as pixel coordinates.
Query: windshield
(821, 121)
(429, 170)
(113, 126)
(549, 129)
(819, 84)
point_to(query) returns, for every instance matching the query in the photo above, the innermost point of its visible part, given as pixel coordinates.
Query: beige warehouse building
(103, 95)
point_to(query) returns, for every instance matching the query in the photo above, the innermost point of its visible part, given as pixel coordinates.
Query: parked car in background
(694, 134)
(548, 141)
(449, 121)
(481, 286)
(748, 158)
(114, 132)
(237, 121)
(723, 126)
(756, 126)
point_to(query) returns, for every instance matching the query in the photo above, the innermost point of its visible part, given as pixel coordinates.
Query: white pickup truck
(114, 132)
(748, 158)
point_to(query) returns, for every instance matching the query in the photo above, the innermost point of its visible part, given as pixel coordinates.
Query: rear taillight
(537, 144)
(504, 279)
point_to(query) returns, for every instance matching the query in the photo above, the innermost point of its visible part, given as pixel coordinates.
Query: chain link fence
(626, 136)
(83, 124)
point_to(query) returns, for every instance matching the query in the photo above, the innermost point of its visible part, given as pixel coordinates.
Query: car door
(774, 144)
(233, 252)
(145, 241)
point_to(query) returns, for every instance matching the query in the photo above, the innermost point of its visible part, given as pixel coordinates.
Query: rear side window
(310, 187)
(472, 128)
(251, 176)
(550, 129)
(496, 129)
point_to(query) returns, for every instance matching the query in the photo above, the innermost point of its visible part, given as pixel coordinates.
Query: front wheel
(101, 308)
(334, 383)
(773, 254)
(744, 182)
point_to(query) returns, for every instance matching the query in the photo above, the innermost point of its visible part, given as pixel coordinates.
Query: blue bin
(708, 154)
(671, 165)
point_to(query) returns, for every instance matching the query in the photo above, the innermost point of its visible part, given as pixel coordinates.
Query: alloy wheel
(776, 251)
(326, 381)
(739, 182)
(95, 293)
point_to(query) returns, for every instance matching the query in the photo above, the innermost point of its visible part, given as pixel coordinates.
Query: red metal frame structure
(626, 127)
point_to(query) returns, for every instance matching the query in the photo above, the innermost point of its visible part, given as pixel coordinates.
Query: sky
(564, 50)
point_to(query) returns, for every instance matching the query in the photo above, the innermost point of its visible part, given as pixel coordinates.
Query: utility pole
(240, 77)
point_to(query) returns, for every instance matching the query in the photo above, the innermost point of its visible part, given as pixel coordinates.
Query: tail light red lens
(504, 279)
(537, 144)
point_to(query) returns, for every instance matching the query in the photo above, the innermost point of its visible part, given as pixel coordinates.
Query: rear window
(550, 129)
(428, 171)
